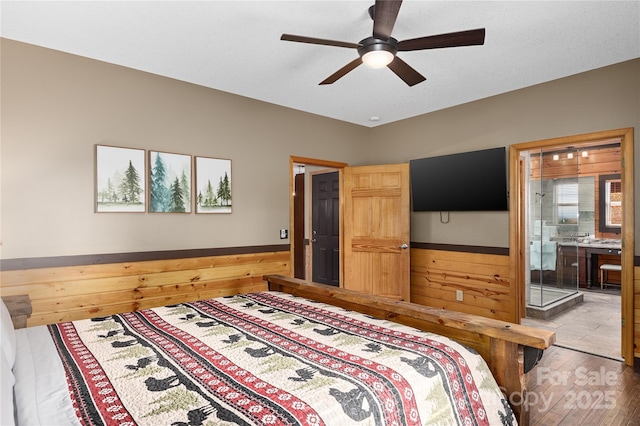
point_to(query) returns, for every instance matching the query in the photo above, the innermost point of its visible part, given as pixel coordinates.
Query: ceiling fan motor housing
(371, 44)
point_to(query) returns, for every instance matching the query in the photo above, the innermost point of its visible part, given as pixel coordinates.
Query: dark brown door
(325, 229)
(298, 223)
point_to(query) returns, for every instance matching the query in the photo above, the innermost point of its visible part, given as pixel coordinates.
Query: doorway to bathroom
(571, 223)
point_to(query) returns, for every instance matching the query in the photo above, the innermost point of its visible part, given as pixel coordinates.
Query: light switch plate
(283, 234)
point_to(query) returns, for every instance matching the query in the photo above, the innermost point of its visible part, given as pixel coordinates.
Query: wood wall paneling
(636, 316)
(75, 292)
(604, 160)
(436, 275)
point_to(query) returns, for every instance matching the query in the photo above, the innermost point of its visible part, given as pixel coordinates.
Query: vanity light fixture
(556, 157)
(570, 155)
(585, 154)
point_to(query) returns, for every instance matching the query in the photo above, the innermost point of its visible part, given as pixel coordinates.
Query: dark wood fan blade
(460, 38)
(313, 40)
(385, 13)
(342, 71)
(405, 72)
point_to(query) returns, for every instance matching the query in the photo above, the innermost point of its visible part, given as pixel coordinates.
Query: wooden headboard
(509, 349)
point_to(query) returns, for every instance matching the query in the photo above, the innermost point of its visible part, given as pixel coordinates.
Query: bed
(273, 357)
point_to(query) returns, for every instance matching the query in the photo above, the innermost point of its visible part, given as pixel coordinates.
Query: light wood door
(376, 230)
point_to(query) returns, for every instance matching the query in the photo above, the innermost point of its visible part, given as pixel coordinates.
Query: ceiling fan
(380, 50)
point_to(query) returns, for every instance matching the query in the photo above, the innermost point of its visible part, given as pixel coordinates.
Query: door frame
(293, 159)
(517, 222)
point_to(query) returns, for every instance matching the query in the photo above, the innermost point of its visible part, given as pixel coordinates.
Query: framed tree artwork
(169, 182)
(213, 185)
(120, 179)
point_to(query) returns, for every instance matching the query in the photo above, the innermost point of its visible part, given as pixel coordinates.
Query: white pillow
(7, 337)
(7, 381)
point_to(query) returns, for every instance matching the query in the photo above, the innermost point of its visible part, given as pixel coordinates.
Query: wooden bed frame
(510, 350)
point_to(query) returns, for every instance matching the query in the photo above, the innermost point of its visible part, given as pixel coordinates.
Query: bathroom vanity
(586, 261)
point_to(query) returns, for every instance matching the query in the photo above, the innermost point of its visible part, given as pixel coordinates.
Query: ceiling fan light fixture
(376, 53)
(377, 58)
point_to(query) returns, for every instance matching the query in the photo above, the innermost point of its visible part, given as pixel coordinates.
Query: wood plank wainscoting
(636, 316)
(75, 287)
(481, 273)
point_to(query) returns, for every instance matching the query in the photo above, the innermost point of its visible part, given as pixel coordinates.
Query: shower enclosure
(557, 200)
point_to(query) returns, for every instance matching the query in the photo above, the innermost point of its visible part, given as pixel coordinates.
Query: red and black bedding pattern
(270, 358)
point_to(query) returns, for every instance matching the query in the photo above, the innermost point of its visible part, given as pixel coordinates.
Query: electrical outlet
(459, 295)
(283, 234)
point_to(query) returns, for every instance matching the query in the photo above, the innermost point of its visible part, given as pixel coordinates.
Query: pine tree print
(130, 187)
(177, 201)
(159, 196)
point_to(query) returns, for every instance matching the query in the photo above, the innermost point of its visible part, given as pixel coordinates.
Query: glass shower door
(553, 225)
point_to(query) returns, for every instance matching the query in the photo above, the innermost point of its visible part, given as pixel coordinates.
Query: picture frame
(120, 177)
(213, 185)
(170, 185)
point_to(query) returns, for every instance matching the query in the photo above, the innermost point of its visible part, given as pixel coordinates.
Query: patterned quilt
(270, 359)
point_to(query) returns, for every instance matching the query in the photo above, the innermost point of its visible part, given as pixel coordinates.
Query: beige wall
(603, 99)
(56, 107)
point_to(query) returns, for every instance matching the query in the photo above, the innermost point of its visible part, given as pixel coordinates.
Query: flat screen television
(470, 181)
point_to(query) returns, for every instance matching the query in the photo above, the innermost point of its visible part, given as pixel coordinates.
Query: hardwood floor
(569, 387)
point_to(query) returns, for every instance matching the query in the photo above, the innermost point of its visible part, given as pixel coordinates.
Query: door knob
(404, 247)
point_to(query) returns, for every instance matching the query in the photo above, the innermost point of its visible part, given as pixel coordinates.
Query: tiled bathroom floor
(592, 326)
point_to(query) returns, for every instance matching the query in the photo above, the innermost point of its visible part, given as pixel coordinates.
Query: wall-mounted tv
(470, 181)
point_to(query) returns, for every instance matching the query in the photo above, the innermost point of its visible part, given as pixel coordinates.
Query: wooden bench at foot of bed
(510, 350)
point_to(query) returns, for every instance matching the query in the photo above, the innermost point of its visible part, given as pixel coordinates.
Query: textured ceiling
(235, 46)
